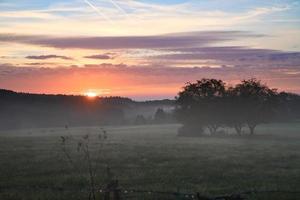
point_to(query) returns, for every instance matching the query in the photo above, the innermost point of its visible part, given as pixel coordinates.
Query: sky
(146, 49)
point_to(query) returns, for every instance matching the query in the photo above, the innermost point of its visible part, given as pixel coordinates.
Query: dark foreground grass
(32, 165)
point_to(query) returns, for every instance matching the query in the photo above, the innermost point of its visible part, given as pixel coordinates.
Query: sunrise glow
(91, 94)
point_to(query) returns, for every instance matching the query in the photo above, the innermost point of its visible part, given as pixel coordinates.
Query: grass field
(153, 158)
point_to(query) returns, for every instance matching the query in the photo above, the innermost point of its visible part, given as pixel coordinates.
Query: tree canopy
(210, 104)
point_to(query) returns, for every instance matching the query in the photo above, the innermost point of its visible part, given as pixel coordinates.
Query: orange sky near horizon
(141, 85)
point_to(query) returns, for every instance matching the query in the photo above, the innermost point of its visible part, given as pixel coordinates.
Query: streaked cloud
(188, 39)
(44, 57)
(100, 56)
(233, 56)
(106, 17)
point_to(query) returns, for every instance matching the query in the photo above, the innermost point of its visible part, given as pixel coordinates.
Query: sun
(91, 94)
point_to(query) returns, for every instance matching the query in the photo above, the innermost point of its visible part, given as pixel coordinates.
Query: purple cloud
(100, 57)
(234, 56)
(190, 39)
(44, 57)
(40, 63)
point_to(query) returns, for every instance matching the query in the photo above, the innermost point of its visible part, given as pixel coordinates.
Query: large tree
(201, 105)
(253, 103)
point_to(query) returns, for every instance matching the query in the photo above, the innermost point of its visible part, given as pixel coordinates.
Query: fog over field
(152, 158)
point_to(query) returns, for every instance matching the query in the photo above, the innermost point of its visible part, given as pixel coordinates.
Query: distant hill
(25, 110)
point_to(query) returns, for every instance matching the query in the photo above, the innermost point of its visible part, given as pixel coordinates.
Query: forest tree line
(25, 110)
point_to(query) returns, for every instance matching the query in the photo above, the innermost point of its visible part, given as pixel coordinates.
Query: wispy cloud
(119, 7)
(99, 56)
(232, 56)
(40, 64)
(189, 39)
(44, 57)
(142, 17)
(98, 11)
(260, 12)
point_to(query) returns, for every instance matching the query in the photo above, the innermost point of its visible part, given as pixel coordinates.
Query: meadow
(152, 157)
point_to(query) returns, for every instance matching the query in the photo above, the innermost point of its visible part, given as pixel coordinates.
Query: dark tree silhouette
(160, 116)
(201, 105)
(140, 120)
(209, 104)
(253, 103)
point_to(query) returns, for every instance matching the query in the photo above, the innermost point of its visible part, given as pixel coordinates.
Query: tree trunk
(252, 128)
(213, 129)
(238, 129)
